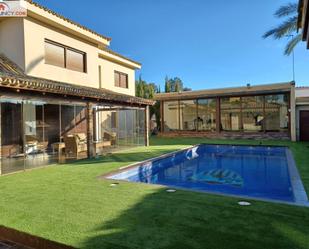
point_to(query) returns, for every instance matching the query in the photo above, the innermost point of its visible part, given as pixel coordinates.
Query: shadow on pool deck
(179, 221)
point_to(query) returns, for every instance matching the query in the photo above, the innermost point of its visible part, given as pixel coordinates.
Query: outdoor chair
(75, 144)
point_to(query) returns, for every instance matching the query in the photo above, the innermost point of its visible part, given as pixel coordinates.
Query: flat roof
(231, 91)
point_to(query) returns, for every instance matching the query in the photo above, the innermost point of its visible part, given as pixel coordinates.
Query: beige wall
(107, 76)
(12, 40)
(25, 46)
(35, 34)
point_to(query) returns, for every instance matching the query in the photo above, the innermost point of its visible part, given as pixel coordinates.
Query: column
(147, 125)
(90, 145)
(292, 113)
(218, 115)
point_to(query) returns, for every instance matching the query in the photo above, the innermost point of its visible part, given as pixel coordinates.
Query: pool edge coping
(295, 180)
(133, 165)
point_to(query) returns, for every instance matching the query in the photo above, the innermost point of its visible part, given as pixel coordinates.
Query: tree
(167, 85)
(173, 84)
(147, 91)
(288, 28)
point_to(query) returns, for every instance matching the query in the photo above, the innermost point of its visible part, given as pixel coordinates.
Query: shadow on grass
(127, 156)
(185, 220)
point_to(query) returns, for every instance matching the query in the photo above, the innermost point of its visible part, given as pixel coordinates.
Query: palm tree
(288, 28)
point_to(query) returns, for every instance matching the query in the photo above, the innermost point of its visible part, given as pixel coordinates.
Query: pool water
(253, 171)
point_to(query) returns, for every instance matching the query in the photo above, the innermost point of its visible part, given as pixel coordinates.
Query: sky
(206, 43)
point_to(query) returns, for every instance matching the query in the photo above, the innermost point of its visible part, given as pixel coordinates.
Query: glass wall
(37, 133)
(276, 112)
(118, 128)
(171, 115)
(188, 115)
(252, 113)
(260, 113)
(230, 114)
(206, 114)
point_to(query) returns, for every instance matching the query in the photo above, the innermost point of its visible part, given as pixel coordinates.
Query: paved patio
(11, 245)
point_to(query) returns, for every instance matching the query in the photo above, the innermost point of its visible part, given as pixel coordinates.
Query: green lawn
(69, 204)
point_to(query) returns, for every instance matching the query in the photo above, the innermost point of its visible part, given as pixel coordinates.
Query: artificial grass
(69, 204)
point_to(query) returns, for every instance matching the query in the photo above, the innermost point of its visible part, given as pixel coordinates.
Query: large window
(259, 113)
(276, 112)
(188, 115)
(231, 114)
(121, 79)
(62, 56)
(171, 115)
(252, 113)
(206, 115)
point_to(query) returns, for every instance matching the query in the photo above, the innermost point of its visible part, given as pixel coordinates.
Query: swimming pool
(250, 171)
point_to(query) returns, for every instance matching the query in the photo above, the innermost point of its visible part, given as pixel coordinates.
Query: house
(64, 93)
(303, 20)
(252, 112)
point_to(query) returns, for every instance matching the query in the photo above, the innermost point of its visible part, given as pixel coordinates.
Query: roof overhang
(303, 19)
(119, 59)
(12, 78)
(48, 16)
(39, 85)
(228, 92)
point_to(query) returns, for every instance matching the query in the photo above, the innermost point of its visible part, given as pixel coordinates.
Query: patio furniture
(10, 150)
(75, 144)
(109, 136)
(99, 146)
(58, 147)
(32, 144)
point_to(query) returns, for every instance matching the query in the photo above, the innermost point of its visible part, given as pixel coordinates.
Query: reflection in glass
(252, 113)
(188, 113)
(206, 119)
(171, 115)
(276, 111)
(230, 114)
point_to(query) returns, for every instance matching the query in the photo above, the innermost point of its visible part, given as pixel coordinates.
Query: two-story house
(63, 92)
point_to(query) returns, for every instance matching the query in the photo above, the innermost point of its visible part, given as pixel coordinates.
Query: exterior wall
(28, 51)
(301, 92)
(292, 114)
(12, 40)
(107, 76)
(228, 135)
(35, 35)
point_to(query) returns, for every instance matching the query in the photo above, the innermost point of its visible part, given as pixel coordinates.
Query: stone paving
(11, 245)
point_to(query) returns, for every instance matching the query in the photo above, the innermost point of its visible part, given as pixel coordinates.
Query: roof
(11, 76)
(66, 19)
(232, 91)
(121, 56)
(49, 16)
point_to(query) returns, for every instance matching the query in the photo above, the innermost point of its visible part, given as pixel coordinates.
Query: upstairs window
(121, 79)
(62, 56)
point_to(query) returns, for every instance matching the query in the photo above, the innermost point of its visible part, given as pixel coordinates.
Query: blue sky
(207, 43)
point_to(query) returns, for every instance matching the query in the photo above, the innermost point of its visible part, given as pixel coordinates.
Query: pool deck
(299, 192)
(301, 198)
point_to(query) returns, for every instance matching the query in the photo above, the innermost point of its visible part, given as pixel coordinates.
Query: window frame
(84, 54)
(119, 74)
